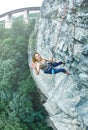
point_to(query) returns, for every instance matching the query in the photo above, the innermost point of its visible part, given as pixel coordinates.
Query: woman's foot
(67, 73)
(63, 63)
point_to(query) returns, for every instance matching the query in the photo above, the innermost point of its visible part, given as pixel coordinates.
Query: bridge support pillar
(26, 16)
(8, 21)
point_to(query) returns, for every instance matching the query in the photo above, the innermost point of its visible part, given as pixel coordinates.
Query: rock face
(63, 33)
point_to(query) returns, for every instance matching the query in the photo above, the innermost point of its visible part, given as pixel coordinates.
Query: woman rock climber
(47, 66)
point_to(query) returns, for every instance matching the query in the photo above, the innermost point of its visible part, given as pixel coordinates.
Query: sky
(7, 5)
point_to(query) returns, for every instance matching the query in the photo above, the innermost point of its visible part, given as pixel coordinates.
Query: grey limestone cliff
(63, 33)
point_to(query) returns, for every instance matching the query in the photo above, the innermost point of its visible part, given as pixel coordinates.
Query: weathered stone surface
(65, 122)
(85, 50)
(67, 96)
(84, 78)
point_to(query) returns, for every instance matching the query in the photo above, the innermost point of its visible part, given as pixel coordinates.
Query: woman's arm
(36, 67)
(51, 60)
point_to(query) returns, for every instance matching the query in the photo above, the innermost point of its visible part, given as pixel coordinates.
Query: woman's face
(38, 57)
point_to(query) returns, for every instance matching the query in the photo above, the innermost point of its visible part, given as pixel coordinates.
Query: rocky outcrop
(63, 33)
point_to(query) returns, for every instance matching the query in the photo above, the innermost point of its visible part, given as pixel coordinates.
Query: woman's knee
(63, 70)
(59, 70)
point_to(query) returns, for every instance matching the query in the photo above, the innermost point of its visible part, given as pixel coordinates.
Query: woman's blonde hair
(33, 57)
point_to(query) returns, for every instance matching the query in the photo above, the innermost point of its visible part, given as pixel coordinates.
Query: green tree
(20, 106)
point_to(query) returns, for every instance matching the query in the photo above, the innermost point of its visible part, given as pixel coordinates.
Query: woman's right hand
(33, 65)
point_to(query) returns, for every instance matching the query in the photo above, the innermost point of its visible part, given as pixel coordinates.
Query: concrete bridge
(8, 15)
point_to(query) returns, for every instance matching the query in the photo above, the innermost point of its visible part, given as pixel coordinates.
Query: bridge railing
(8, 15)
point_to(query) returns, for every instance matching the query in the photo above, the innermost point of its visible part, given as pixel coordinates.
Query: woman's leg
(55, 70)
(54, 64)
(58, 70)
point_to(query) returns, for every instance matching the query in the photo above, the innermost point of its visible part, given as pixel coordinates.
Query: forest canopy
(20, 106)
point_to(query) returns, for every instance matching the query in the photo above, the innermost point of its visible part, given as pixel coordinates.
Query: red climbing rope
(74, 22)
(63, 17)
(71, 46)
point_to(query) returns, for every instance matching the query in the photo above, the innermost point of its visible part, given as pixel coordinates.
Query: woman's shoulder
(46, 59)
